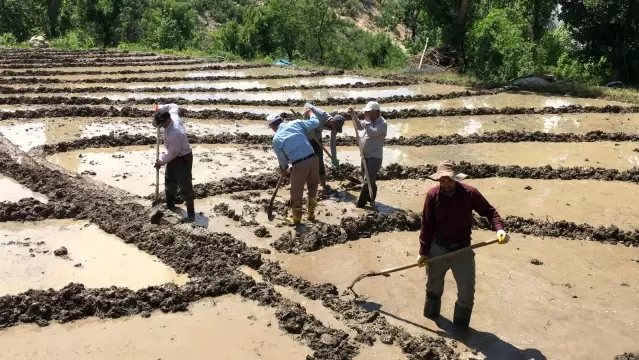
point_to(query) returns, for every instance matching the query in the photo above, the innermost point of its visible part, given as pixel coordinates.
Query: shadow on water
(486, 343)
(200, 219)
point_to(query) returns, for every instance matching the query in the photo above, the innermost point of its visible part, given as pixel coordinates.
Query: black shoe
(432, 306)
(170, 202)
(461, 318)
(190, 210)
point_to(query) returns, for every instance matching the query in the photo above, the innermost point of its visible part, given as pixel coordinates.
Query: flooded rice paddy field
(242, 286)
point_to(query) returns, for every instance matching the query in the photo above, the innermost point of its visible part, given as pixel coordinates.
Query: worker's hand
(156, 107)
(351, 111)
(421, 260)
(307, 113)
(284, 172)
(335, 162)
(502, 237)
(158, 164)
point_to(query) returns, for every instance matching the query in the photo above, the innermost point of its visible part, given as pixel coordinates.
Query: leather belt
(302, 159)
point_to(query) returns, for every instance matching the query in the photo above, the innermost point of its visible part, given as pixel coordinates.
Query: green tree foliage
(24, 18)
(606, 29)
(497, 48)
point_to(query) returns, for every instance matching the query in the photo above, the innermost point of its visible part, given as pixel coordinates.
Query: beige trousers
(305, 172)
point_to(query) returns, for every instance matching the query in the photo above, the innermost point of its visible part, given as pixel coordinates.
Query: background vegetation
(586, 41)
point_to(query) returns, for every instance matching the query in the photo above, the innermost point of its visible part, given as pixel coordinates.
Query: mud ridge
(75, 100)
(130, 72)
(566, 229)
(191, 249)
(108, 89)
(30, 209)
(49, 51)
(317, 237)
(628, 356)
(369, 325)
(14, 80)
(66, 64)
(88, 60)
(54, 56)
(416, 141)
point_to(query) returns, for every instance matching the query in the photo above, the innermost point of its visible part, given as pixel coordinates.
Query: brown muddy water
(521, 310)
(274, 95)
(328, 211)
(502, 100)
(226, 327)
(27, 259)
(598, 154)
(222, 84)
(131, 168)
(592, 202)
(192, 74)
(12, 191)
(466, 125)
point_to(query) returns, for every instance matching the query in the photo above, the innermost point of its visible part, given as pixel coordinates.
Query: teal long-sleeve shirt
(290, 142)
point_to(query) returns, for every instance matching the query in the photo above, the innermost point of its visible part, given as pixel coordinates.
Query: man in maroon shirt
(446, 226)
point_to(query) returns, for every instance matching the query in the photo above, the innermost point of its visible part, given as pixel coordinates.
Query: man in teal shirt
(292, 147)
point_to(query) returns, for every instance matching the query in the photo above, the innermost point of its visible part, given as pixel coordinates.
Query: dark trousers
(373, 165)
(463, 268)
(319, 152)
(178, 174)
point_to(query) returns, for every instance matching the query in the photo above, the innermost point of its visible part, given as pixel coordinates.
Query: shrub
(8, 40)
(75, 40)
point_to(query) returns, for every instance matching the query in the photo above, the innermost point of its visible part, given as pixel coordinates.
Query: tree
(606, 28)
(287, 24)
(320, 21)
(102, 16)
(452, 17)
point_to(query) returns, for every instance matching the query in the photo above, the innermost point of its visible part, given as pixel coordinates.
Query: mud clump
(223, 209)
(61, 251)
(30, 209)
(273, 272)
(536, 262)
(317, 237)
(327, 343)
(628, 356)
(262, 232)
(371, 223)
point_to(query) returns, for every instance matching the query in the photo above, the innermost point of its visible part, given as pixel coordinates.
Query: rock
(528, 187)
(78, 265)
(536, 262)
(38, 42)
(532, 80)
(62, 251)
(328, 339)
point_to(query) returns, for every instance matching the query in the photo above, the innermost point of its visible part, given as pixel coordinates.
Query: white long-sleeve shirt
(175, 139)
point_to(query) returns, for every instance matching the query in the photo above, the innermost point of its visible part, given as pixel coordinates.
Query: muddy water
(227, 326)
(221, 84)
(131, 168)
(192, 74)
(466, 125)
(186, 67)
(598, 154)
(328, 211)
(593, 202)
(521, 310)
(284, 95)
(105, 260)
(12, 191)
(518, 99)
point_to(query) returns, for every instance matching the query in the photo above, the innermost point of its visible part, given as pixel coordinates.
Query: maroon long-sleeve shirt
(450, 219)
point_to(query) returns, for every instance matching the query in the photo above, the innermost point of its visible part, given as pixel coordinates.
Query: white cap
(371, 106)
(273, 118)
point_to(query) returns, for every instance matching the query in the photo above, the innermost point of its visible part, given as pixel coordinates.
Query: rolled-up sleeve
(428, 221)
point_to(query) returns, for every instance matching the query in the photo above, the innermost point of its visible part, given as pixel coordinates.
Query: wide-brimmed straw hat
(448, 169)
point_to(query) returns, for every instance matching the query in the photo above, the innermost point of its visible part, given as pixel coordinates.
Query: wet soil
(520, 310)
(226, 326)
(628, 356)
(168, 89)
(314, 238)
(31, 209)
(11, 191)
(164, 79)
(219, 114)
(130, 71)
(76, 100)
(19, 64)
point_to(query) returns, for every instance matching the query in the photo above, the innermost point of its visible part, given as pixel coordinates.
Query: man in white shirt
(178, 158)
